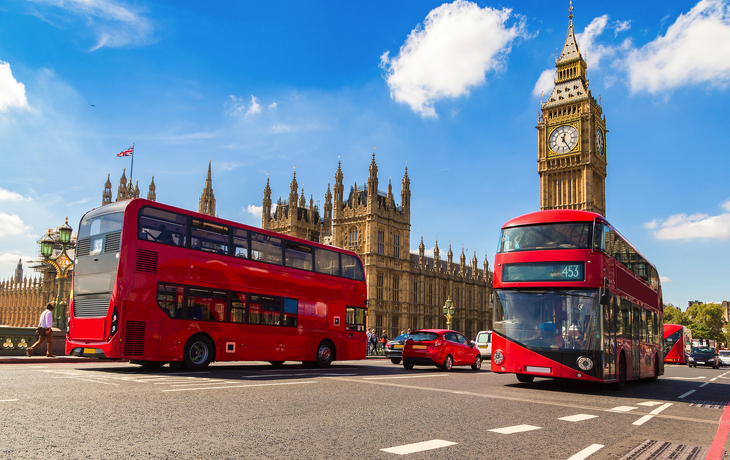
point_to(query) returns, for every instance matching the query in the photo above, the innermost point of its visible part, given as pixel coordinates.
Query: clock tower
(571, 137)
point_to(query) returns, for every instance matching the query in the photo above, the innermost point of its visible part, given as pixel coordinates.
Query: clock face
(563, 139)
(600, 147)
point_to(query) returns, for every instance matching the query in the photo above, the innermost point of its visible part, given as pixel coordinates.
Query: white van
(484, 343)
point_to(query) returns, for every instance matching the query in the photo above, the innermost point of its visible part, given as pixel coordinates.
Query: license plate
(397, 346)
(89, 351)
(700, 362)
(420, 347)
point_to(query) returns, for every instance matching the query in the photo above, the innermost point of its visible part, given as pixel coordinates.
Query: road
(356, 409)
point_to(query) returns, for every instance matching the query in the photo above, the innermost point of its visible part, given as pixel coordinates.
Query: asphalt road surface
(353, 409)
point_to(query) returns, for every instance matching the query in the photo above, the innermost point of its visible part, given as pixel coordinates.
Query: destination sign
(543, 271)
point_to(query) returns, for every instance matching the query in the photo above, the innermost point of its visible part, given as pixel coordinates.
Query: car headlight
(498, 357)
(691, 358)
(585, 363)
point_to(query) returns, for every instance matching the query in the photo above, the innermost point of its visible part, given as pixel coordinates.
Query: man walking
(45, 333)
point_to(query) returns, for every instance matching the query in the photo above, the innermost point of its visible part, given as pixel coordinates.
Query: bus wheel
(524, 378)
(276, 363)
(477, 363)
(621, 380)
(325, 354)
(395, 360)
(448, 363)
(198, 353)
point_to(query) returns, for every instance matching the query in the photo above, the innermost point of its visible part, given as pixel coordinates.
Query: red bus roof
(551, 216)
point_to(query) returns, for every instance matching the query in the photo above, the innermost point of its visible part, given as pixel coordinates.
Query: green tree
(673, 315)
(706, 321)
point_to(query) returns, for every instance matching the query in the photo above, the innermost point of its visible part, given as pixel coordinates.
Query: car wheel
(477, 363)
(621, 377)
(395, 360)
(448, 363)
(325, 354)
(524, 378)
(198, 353)
(407, 365)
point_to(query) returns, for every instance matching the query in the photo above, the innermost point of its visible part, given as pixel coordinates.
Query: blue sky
(452, 90)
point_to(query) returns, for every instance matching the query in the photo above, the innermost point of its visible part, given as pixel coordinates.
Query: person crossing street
(45, 333)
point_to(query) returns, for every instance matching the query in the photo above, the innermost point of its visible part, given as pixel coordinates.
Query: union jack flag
(127, 153)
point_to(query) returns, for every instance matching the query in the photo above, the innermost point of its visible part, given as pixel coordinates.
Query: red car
(442, 348)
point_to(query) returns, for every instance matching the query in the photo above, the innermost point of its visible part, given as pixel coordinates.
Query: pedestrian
(374, 341)
(384, 340)
(45, 333)
(369, 337)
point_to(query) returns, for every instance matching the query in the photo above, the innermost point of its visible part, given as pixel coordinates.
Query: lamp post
(62, 263)
(449, 312)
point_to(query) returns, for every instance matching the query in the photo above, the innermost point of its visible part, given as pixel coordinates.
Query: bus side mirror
(603, 296)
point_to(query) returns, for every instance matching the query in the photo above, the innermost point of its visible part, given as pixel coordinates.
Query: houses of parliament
(409, 290)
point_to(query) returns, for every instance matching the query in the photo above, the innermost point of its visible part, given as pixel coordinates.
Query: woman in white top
(45, 333)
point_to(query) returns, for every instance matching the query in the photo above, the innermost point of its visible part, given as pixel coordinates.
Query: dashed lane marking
(648, 403)
(578, 417)
(418, 447)
(7, 400)
(704, 384)
(622, 409)
(686, 378)
(587, 452)
(516, 429)
(227, 387)
(405, 377)
(651, 415)
(686, 394)
(643, 420)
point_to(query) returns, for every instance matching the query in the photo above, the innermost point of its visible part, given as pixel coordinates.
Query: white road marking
(643, 420)
(578, 417)
(516, 429)
(622, 409)
(704, 384)
(659, 409)
(7, 400)
(418, 447)
(686, 394)
(217, 382)
(588, 451)
(239, 386)
(406, 377)
(88, 380)
(648, 403)
(712, 380)
(686, 378)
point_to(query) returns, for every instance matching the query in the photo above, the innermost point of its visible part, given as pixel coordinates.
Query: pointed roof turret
(207, 198)
(570, 48)
(152, 191)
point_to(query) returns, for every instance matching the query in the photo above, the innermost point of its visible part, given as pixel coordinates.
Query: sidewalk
(43, 360)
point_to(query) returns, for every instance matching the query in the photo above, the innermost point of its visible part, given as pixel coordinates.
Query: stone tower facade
(404, 290)
(125, 191)
(207, 198)
(572, 138)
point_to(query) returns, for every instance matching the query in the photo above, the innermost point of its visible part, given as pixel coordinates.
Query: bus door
(609, 338)
(636, 328)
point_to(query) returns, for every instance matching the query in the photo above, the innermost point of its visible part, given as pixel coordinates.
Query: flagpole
(131, 169)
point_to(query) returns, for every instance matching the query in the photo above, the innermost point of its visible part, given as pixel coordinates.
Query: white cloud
(665, 279)
(114, 24)
(695, 226)
(12, 225)
(255, 210)
(254, 107)
(12, 92)
(279, 128)
(545, 83)
(621, 26)
(695, 49)
(273, 105)
(237, 105)
(6, 195)
(457, 45)
(591, 51)
(9, 261)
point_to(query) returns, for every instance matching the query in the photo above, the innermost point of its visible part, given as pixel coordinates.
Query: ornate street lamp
(62, 263)
(449, 311)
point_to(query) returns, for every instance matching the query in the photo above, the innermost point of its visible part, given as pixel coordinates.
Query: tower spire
(207, 198)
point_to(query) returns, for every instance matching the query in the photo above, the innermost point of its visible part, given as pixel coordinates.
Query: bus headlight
(498, 357)
(115, 322)
(585, 363)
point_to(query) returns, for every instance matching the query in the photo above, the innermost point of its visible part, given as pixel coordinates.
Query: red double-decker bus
(677, 343)
(156, 284)
(573, 299)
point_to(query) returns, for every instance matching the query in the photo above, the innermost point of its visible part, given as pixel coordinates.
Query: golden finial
(570, 10)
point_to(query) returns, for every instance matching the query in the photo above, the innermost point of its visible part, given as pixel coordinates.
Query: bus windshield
(568, 235)
(670, 340)
(549, 319)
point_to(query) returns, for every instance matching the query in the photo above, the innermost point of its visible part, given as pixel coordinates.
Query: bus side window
(327, 262)
(206, 305)
(170, 299)
(351, 268)
(265, 248)
(298, 256)
(291, 308)
(238, 307)
(240, 243)
(162, 226)
(209, 237)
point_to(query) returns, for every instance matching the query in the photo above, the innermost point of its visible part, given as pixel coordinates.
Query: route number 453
(571, 271)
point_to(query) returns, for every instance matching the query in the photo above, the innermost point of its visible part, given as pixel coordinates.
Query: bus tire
(621, 377)
(198, 353)
(325, 354)
(395, 360)
(448, 363)
(524, 378)
(477, 363)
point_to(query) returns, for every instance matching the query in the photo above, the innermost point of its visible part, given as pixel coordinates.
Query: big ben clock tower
(572, 138)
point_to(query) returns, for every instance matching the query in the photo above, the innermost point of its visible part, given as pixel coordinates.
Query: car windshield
(702, 350)
(401, 337)
(424, 336)
(575, 235)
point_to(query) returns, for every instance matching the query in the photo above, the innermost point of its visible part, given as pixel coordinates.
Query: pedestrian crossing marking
(516, 429)
(578, 417)
(418, 447)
